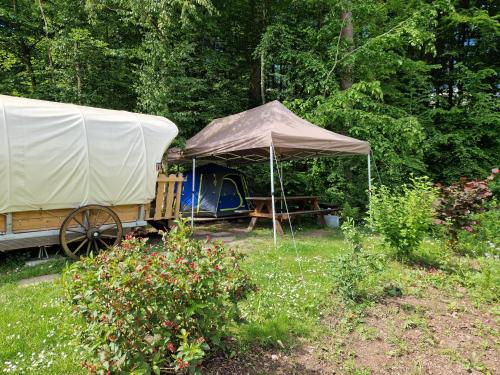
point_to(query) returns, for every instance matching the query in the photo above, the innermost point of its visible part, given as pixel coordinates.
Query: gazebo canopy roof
(247, 136)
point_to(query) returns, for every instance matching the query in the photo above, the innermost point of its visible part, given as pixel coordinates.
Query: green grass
(292, 290)
(14, 268)
(35, 331)
(294, 294)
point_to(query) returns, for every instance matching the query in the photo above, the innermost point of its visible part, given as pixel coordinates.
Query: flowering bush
(459, 202)
(146, 308)
(403, 219)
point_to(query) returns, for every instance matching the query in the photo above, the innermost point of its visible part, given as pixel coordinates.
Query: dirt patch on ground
(431, 335)
(405, 335)
(301, 361)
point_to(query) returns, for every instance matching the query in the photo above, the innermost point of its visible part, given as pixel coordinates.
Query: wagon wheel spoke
(86, 218)
(80, 246)
(104, 243)
(105, 228)
(96, 246)
(97, 218)
(79, 223)
(110, 236)
(102, 222)
(76, 239)
(106, 218)
(88, 247)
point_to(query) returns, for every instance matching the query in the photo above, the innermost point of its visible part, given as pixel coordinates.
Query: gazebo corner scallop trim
(55, 155)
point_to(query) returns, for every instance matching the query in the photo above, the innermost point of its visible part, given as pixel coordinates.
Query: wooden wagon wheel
(90, 229)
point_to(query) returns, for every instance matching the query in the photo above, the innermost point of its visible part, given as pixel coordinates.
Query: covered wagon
(80, 176)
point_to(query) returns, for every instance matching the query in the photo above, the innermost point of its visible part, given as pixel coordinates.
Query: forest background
(417, 79)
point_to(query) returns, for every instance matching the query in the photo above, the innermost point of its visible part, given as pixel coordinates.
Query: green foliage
(483, 237)
(144, 308)
(480, 276)
(403, 218)
(424, 74)
(36, 328)
(459, 201)
(350, 212)
(352, 234)
(354, 267)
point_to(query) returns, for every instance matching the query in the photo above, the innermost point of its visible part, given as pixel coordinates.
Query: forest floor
(440, 316)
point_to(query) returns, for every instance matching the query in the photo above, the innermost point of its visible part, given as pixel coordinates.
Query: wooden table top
(290, 198)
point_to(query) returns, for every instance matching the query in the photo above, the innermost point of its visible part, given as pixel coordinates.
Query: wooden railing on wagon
(167, 204)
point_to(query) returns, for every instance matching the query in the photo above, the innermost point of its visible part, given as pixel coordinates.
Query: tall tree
(418, 79)
(347, 36)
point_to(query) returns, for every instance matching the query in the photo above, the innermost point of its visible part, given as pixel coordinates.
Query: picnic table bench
(297, 206)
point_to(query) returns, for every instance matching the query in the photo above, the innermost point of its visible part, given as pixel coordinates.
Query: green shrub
(403, 219)
(146, 308)
(350, 212)
(482, 235)
(353, 268)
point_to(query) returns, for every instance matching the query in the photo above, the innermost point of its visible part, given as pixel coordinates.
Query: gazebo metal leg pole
(369, 175)
(271, 164)
(192, 193)
(369, 183)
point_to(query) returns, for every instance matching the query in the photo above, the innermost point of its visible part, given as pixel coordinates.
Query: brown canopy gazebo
(268, 132)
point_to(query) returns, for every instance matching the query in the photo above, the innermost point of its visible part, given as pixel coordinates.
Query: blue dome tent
(218, 192)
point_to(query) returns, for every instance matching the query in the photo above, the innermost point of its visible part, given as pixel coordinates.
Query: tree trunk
(451, 84)
(254, 83)
(46, 30)
(257, 65)
(78, 76)
(263, 59)
(26, 58)
(262, 77)
(347, 35)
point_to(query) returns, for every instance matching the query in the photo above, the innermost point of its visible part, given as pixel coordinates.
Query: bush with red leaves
(458, 203)
(145, 309)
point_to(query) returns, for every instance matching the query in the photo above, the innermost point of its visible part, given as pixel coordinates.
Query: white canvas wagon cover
(55, 155)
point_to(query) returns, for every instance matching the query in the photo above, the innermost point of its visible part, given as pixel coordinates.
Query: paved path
(221, 236)
(39, 279)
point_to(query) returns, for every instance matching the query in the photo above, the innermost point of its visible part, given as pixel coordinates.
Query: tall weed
(354, 267)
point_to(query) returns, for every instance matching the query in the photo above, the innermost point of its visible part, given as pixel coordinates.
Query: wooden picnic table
(297, 206)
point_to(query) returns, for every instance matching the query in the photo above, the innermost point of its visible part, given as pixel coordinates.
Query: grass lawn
(13, 268)
(35, 331)
(438, 316)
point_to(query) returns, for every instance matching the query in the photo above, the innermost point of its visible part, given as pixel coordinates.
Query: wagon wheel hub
(90, 229)
(93, 234)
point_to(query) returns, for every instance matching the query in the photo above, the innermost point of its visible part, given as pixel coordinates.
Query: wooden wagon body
(26, 229)
(72, 174)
